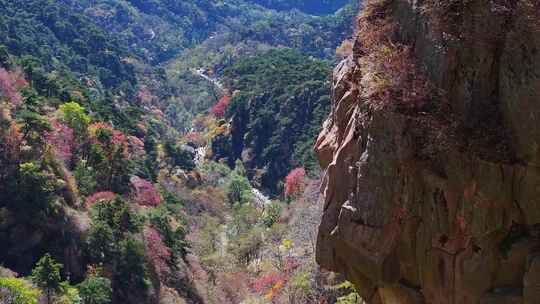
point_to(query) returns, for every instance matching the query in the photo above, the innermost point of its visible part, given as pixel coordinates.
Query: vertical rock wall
(425, 206)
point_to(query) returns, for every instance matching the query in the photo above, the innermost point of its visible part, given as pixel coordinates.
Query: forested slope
(102, 107)
(279, 102)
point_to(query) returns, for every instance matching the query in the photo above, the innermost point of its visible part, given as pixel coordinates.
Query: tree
(294, 182)
(69, 295)
(86, 177)
(145, 193)
(4, 56)
(95, 290)
(158, 253)
(61, 138)
(109, 156)
(239, 189)
(33, 190)
(99, 196)
(181, 156)
(34, 126)
(101, 242)
(46, 275)
(131, 274)
(10, 83)
(117, 215)
(174, 235)
(75, 117)
(220, 108)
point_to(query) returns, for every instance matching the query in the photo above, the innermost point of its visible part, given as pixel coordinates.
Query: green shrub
(175, 239)
(272, 213)
(246, 246)
(95, 290)
(351, 297)
(70, 295)
(239, 189)
(17, 291)
(33, 190)
(86, 178)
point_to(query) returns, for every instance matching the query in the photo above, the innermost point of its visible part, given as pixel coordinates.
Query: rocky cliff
(432, 183)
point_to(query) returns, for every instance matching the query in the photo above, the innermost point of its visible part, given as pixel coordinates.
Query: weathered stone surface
(532, 281)
(416, 213)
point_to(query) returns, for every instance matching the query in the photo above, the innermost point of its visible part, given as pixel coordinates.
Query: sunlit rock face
(440, 206)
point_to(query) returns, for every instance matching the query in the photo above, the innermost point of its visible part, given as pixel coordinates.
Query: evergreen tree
(46, 275)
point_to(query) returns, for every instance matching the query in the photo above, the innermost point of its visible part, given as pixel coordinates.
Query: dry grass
(445, 17)
(345, 49)
(390, 74)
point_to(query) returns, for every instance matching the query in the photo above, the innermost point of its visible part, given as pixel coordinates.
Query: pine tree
(46, 274)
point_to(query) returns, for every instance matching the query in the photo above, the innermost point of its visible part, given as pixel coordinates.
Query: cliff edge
(432, 154)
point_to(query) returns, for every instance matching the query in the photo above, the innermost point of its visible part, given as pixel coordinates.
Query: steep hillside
(431, 154)
(278, 105)
(160, 30)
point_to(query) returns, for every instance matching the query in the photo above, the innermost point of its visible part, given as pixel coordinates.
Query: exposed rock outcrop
(440, 203)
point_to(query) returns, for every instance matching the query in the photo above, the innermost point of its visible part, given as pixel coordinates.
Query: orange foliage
(220, 108)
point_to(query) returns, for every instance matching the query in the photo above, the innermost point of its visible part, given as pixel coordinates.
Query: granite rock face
(431, 208)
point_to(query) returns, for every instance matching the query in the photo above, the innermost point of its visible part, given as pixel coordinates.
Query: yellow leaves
(216, 128)
(287, 244)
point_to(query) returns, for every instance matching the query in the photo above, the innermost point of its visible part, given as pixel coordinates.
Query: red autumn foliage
(10, 83)
(220, 108)
(145, 193)
(158, 253)
(294, 182)
(118, 138)
(267, 281)
(61, 138)
(99, 196)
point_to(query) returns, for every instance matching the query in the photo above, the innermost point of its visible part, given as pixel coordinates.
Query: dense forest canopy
(308, 6)
(279, 104)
